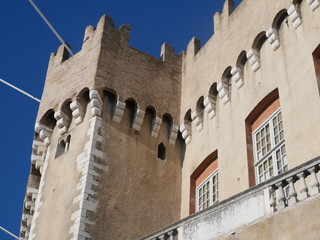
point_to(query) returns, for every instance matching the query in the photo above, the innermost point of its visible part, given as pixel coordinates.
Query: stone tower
(106, 142)
(110, 162)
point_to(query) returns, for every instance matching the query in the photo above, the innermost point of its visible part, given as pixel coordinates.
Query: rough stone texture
(132, 193)
(135, 192)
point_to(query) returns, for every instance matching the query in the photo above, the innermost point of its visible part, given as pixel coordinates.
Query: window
(266, 150)
(63, 146)
(207, 192)
(204, 184)
(269, 148)
(161, 151)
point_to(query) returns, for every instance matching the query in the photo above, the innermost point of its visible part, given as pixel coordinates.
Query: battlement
(103, 63)
(117, 123)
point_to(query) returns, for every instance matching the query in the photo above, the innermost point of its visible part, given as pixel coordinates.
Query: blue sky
(25, 46)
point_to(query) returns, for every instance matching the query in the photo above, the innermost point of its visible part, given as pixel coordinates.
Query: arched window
(204, 190)
(265, 140)
(63, 146)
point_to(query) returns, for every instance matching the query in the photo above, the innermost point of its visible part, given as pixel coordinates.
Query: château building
(218, 142)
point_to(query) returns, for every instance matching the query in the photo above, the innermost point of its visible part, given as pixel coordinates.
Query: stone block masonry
(89, 165)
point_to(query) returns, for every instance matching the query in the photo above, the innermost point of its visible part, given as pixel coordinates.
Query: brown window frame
(196, 174)
(250, 125)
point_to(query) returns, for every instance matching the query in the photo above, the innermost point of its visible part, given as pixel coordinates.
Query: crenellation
(61, 56)
(106, 25)
(169, 87)
(228, 7)
(88, 32)
(193, 47)
(167, 52)
(124, 31)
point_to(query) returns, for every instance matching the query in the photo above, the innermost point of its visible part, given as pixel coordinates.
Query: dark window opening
(162, 151)
(63, 146)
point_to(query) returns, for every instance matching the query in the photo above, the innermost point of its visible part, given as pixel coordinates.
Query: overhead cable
(11, 234)
(51, 27)
(19, 90)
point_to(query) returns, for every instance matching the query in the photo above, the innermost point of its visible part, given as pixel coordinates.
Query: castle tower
(106, 142)
(219, 142)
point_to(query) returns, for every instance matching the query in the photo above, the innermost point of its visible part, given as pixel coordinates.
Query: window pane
(274, 121)
(258, 137)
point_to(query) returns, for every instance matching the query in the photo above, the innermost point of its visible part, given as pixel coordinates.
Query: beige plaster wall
(277, 226)
(133, 74)
(290, 69)
(61, 178)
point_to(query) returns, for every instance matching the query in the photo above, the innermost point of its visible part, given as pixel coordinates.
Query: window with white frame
(269, 148)
(207, 192)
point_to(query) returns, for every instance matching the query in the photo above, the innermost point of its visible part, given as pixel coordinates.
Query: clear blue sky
(25, 46)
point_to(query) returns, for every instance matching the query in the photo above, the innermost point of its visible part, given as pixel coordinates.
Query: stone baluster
(303, 186)
(162, 237)
(173, 134)
(170, 234)
(210, 106)
(223, 89)
(281, 199)
(237, 76)
(197, 119)
(254, 59)
(272, 200)
(314, 4)
(295, 15)
(292, 195)
(314, 181)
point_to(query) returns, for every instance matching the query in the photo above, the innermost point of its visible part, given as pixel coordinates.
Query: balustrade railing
(283, 192)
(280, 190)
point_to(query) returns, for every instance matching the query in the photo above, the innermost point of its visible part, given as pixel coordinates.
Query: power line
(51, 27)
(11, 234)
(19, 90)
